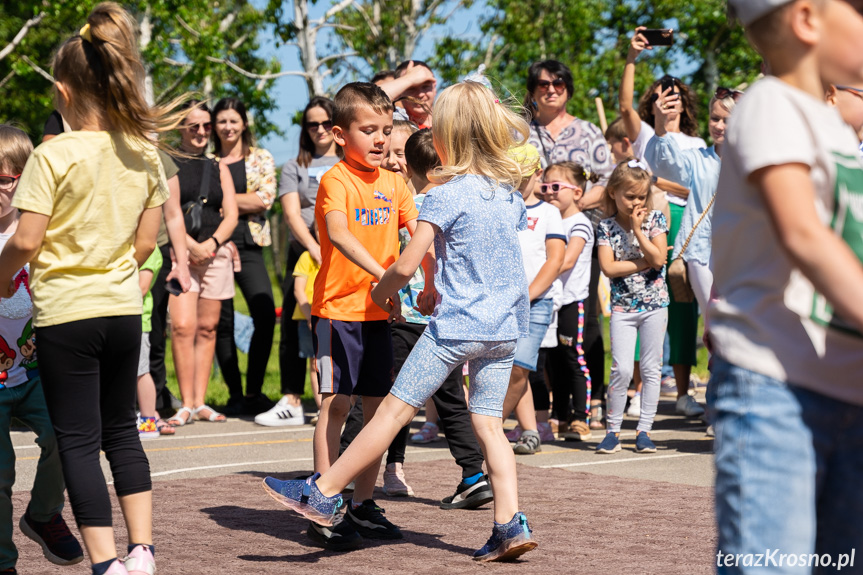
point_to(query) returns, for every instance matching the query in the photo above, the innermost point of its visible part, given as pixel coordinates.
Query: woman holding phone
(195, 314)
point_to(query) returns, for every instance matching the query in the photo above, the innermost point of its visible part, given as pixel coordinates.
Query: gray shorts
(144, 357)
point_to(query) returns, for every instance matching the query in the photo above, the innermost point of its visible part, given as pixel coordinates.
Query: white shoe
(282, 414)
(687, 406)
(634, 406)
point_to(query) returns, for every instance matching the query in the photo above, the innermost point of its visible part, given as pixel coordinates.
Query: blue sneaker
(643, 443)
(507, 541)
(611, 443)
(304, 497)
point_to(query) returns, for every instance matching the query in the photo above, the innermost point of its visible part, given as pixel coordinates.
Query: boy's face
(8, 184)
(366, 139)
(620, 149)
(840, 47)
(394, 160)
(849, 102)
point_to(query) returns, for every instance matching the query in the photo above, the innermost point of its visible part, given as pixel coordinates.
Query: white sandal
(214, 415)
(177, 421)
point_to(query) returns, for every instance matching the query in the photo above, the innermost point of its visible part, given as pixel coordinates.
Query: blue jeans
(789, 463)
(527, 348)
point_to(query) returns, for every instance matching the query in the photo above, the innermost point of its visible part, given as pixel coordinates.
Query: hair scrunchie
(85, 33)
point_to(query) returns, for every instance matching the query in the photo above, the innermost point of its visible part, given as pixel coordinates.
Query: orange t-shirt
(377, 204)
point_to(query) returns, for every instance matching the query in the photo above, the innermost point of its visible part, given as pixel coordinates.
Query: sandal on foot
(214, 416)
(164, 427)
(177, 419)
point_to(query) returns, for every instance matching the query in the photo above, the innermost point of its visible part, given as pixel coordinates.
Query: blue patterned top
(409, 294)
(478, 270)
(642, 291)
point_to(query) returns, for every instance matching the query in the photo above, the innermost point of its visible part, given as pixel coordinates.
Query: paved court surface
(625, 512)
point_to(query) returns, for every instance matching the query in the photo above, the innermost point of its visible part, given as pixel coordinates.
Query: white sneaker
(282, 414)
(634, 406)
(687, 406)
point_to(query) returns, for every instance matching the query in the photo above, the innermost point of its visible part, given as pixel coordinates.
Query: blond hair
(103, 71)
(473, 134)
(15, 148)
(625, 177)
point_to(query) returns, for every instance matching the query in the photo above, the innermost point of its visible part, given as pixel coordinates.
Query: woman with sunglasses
(298, 189)
(253, 171)
(561, 137)
(195, 314)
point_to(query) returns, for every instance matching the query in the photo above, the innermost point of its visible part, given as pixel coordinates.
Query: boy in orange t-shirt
(361, 208)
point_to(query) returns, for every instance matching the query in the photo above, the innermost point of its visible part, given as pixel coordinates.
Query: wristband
(654, 180)
(218, 244)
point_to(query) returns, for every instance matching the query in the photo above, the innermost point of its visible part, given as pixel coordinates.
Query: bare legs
(193, 342)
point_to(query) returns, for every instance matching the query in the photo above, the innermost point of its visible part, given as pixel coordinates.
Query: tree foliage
(187, 46)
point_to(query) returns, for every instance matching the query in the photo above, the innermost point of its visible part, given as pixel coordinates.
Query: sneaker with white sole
(395, 484)
(507, 541)
(634, 409)
(369, 521)
(668, 387)
(340, 536)
(428, 433)
(469, 496)
(643, 444)
(140, 561)
(282, 414)
(686, 405)
(611, 443)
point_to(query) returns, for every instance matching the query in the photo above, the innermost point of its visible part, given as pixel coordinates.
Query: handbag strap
(692, 231)
(205, 179)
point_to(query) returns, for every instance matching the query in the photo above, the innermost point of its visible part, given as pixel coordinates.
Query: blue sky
(291, 93)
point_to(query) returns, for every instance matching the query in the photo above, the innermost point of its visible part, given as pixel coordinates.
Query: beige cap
(748, 11)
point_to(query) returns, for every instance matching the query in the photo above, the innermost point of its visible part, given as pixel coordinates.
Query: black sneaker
(340, 537)
(234, 407)
(58, 544)
(469, 496)
(257, 404)
(369, 521)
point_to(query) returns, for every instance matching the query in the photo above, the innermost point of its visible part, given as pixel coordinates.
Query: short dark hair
(237, 105)
(383, 75)
(616, 131)
(355, 95)
(554, 68)
(400, 69)
(420, 154)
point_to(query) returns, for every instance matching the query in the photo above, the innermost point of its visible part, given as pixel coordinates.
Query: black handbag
(192, 209)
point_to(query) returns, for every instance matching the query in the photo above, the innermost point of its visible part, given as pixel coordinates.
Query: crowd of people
(445, 254)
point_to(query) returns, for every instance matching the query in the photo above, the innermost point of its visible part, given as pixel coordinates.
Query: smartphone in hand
(659, 37)
(667, 83)
(173, 287)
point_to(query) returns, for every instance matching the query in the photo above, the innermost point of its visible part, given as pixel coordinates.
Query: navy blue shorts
(353, 357)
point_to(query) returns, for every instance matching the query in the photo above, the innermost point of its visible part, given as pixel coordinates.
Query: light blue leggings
(432, 360)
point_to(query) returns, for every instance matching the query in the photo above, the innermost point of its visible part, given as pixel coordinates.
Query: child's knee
(336, 406)
(621, 374)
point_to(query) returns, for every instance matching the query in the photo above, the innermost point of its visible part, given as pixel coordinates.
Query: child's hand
(427, 300)
(638, 215)
(638, 44)
(390, 304)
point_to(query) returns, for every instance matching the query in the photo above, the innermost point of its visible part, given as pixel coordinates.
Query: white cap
(748, 11)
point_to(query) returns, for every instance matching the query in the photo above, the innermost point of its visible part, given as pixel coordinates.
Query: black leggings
(538, 386)
(594, 349)
(254, 282)
(89, 372)
(571, 376)
(291, 365)
(159, 321)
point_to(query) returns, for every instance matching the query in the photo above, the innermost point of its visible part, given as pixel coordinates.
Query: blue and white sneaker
(304, 497)
(507, 541)
(611, 443)
(643, 443)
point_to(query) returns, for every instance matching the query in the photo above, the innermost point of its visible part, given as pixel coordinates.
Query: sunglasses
(327, 124)
(8, 182)
(554, 187)
(557, 83)
(856, 91)
(722, 93)
(208, 126)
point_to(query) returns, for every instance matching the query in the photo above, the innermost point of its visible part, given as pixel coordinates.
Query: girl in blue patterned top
(472, 218)
(632, 253)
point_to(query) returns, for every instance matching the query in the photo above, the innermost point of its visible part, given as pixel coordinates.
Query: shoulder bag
(192, 209)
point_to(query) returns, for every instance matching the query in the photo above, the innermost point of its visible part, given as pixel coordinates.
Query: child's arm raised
(300, 295)
(655, 249)
(824, 258)
(614, 269)
(21, 248)
(398, 274)
(626, 94)
(348, 244)
(554, 252)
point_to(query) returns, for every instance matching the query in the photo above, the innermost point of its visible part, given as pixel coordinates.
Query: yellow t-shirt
(308, 268)
(94, 186)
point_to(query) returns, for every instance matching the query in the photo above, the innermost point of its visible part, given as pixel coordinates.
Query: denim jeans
(527, 349)
(789, 463)
(27, 403)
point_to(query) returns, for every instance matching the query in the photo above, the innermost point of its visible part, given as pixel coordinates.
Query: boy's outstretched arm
(348, 244)
(824, 258)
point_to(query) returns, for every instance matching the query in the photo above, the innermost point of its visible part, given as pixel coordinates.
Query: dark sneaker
(528, 443)
(257, 404)
(58, 544)
(10, 571)
(304, 497)
(341, 536)
(369, 521)
(469, 496)
(507, 541)
(234, 407)
(611, 443)
(643, 443)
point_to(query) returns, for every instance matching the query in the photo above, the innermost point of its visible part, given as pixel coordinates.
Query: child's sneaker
(634, 409)
(395, 484)
(545, 432)
(147, 428)
(686, 405)
(507, 541)
(369, 521)
(341, 536)
(427, 433)
(668, 387)
(58, 544)
(116, 568)
(643, 443)
(528, 444)
(469, 496)
(577, 430)
(611, 443)
(304, 497)
(140, 561)
(513, 434)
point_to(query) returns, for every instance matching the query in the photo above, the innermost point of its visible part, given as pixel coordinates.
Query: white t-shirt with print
(576, 281)
(17, 339)
(683, 141)
(769, 319)
(543, 223)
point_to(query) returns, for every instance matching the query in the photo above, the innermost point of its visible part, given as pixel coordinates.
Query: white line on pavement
(627, 460)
